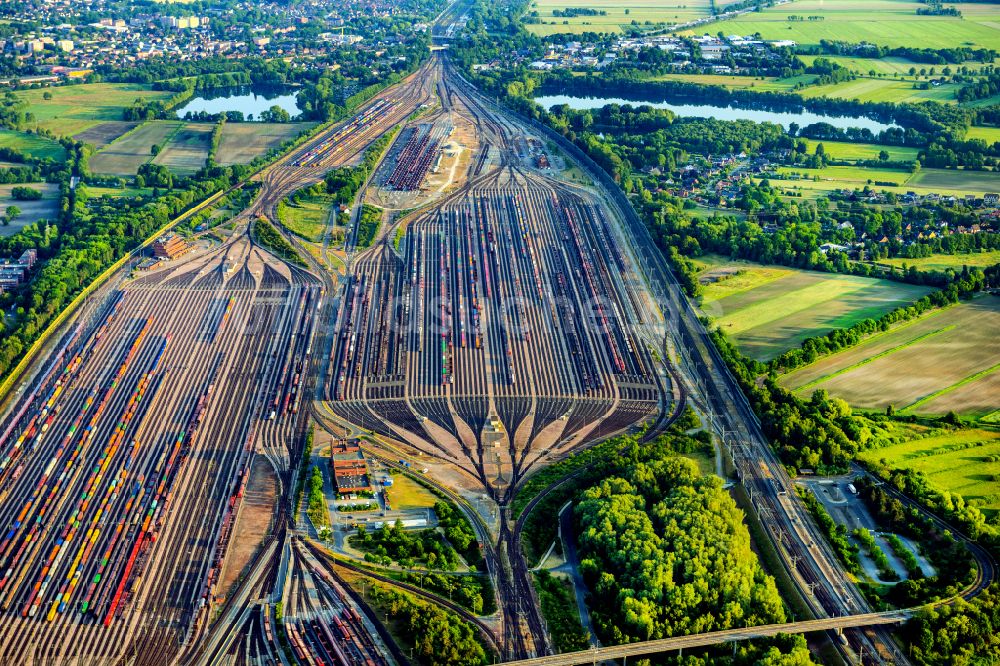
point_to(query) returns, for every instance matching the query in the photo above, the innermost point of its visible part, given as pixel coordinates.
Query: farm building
(350, 470)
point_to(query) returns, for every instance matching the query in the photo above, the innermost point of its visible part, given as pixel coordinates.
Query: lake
(248, 99)
(783, 118)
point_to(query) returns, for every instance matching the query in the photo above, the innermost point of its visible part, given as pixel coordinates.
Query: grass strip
(877, 356)
(948, 389)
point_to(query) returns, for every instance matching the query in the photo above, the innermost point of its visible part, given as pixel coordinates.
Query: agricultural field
(32, 144)
(843, 150)
(767, 310)
(125, 155)
(187, 149)
(925, 181)
(944, 361)
(31, 211)
(940, 262)
(964, 461)
(308, 218)
(242, 142)
(852, 21)
(76, 108)
(884, 90)
(101, 134)
(619, 12)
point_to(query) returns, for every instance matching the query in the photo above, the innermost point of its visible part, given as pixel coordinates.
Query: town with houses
(72, 44)
(696, 53)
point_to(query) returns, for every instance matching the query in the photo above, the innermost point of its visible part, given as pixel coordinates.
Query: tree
(46, 95)
(883, 155)
(154, 150)
(12, 213)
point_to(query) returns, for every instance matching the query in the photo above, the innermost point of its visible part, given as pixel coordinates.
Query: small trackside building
(349, 467)
(170, 246)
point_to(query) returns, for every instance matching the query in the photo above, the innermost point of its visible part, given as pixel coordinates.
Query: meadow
(769, 309)
(843, 150)
(619, 12)
(736, 82)
(125, 155)
(852, 21)
(32, 144)
(965, 461)
(925, 181)
(76, 108)
(242, 142)
(943, 361)
(940, 262)
(308, 218)
(867, 89)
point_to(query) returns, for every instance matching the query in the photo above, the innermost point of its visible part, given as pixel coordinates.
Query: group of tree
(393, 543)
(665, 553)
(439, 636)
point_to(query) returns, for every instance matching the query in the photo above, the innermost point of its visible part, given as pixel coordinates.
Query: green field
(842, 150)
(931, 365)
(884, 22)
(308, 218)
(187, 149)
(242, 142)
(988, 134)
(925, 181)
(956, 461)
(736, 82)
(125, 155)
(115, 192)
(883, 90)
(940, 262)
(32, 144)
(769, 309)
(640, 11)
(76, 108)
(888, 66)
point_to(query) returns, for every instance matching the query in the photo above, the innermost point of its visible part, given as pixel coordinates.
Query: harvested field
(124, 156)
(104, 133)
(187, 149)
(31, 211)
(242, 142)
(916, 361)
(767, 309)
(961, 461)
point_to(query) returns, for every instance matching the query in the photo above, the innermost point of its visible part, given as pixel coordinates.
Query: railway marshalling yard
(506, 326)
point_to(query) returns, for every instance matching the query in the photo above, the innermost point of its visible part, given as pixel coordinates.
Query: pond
(783, 118)
(248, 99)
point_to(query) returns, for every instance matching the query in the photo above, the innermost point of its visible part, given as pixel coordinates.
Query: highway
(630, 650)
